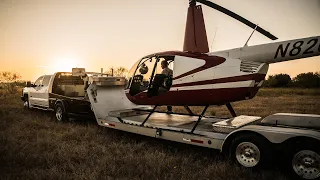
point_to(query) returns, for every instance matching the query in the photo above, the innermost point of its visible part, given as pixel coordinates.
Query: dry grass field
(34, 146)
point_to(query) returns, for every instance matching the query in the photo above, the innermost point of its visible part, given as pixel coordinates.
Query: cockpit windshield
(143, 73)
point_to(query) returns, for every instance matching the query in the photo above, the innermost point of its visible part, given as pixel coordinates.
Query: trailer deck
(183, 122)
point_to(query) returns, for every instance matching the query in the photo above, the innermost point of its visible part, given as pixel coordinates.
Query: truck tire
(26, 104)
(250, 150)
(60, 113)
(305, 162)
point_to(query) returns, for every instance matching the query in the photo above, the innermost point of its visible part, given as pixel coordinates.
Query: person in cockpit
(165, 69)
(169, 73)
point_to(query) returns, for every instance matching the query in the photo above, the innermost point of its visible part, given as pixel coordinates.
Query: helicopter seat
(157, 84)
(135, 85)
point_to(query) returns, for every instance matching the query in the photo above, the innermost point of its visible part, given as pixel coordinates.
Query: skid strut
(189, 110)
(231, 110)
(149, 115)
(199, 119)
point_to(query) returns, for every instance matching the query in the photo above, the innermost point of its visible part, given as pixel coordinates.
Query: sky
(43, 36)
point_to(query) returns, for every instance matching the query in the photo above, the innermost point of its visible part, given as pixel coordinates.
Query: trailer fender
(275, 135)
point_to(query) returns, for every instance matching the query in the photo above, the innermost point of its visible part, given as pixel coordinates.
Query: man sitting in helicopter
(168, 80)
(165, 69)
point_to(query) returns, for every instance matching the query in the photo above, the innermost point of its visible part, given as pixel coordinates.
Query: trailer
(250, 140)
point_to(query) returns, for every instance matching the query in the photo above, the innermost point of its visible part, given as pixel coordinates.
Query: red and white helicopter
(204, 78)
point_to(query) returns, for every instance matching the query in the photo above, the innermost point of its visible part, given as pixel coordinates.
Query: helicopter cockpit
(146, 76)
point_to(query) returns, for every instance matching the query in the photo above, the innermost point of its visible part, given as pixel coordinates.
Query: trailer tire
(250, 150)
(60, 112)
(304, 161)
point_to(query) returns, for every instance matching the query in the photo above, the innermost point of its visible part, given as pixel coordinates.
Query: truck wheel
(61, 114)
(306, 163)
(26, 103)
(250, 150)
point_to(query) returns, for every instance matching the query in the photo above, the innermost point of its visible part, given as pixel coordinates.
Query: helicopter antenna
(245, 45)
(214, 36)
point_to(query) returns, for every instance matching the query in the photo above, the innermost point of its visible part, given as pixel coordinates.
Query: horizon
(39, 36)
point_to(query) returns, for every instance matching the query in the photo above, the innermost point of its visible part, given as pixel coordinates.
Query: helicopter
(203, 78)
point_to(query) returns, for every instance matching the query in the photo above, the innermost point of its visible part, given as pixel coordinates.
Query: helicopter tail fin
(195, 39)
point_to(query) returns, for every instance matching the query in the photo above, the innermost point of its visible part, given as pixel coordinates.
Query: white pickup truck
(62, 92)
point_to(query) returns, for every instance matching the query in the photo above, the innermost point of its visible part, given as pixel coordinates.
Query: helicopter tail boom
(276, 52)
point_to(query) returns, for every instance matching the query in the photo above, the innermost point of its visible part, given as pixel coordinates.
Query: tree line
(303, 80)
(9, 80)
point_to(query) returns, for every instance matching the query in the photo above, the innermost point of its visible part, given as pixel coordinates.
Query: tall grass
(288, 91)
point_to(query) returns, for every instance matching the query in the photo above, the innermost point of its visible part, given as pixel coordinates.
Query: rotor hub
(192, 3)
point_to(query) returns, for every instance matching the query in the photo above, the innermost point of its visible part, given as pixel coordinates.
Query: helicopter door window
(162, 80)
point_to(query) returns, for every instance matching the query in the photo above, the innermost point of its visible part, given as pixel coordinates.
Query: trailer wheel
(60, 113)
(306, 163)
(250, 150)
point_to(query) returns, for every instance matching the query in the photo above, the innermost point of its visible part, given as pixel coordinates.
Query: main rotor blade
(237, 17)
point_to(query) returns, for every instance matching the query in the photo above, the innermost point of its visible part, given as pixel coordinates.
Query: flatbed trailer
(250, 140)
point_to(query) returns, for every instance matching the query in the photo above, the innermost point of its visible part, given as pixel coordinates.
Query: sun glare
(64, 64)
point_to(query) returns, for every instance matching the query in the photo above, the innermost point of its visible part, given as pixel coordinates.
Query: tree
(307, 80)
(9, 81)
(278, 80)
(119, 71)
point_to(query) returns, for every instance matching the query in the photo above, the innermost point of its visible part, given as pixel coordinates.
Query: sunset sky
(43, 36)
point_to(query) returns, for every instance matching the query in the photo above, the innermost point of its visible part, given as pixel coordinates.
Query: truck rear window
(69, 80)
(68, 85)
